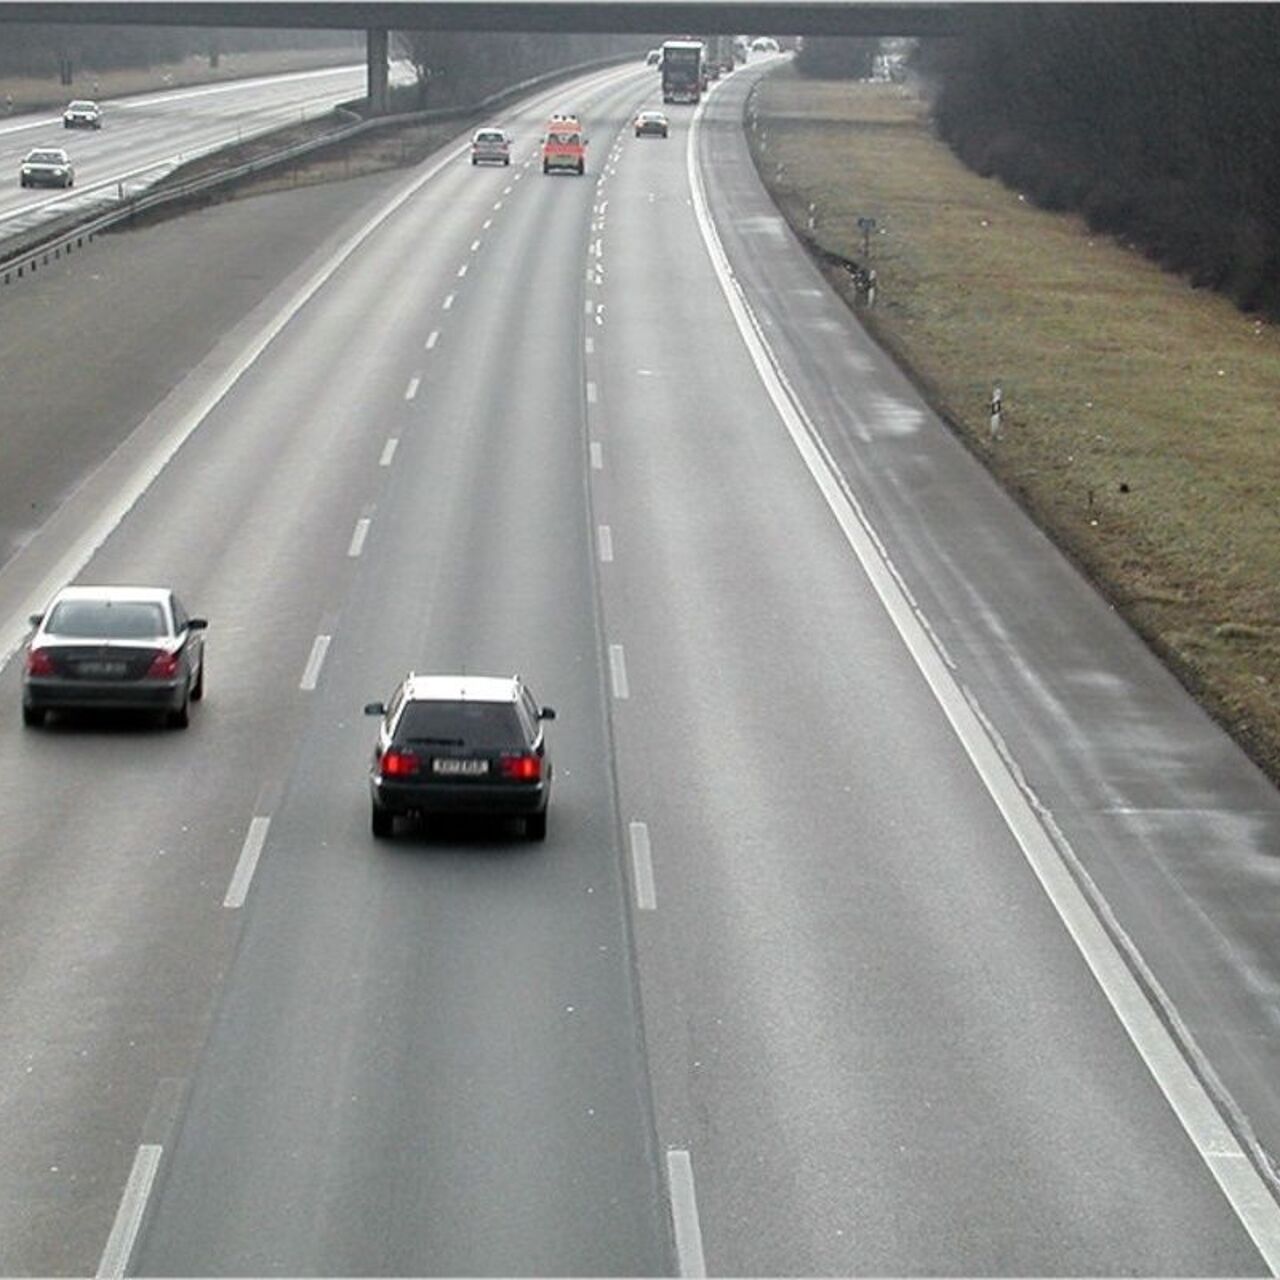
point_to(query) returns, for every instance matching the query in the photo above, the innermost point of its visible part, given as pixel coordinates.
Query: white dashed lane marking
(642, 867)
(432, 338)
(388, 452)
(247, 863)
(597, 456)
(358, 536)
(618, 671)
(604, 536)
(311, 672)
(412, 389)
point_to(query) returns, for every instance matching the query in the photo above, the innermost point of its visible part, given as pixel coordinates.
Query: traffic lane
(877, 969)
(255, 511)
(457, 1014)
(139, 133)
(95, 342)
(1174, 825)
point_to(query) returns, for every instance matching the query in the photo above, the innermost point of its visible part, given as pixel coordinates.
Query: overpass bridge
(378, 17)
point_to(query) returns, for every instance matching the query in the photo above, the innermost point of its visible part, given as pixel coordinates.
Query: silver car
(46, 167)
(491, 144)
(82, 114)
(132, 648)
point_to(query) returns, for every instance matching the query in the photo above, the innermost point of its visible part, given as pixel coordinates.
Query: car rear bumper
(474, 798)
(133, 695)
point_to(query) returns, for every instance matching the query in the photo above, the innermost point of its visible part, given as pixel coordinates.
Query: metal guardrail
(56, 244)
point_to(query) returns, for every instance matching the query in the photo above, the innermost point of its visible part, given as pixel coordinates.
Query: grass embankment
(1140, 425)
(32, 93)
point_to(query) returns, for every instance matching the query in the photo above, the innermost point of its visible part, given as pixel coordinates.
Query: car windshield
(81, 106)
(475, 725)
(562, 139)
(107, 619)
(45, 157)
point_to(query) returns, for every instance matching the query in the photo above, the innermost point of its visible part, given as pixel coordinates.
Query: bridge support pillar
(376, 62)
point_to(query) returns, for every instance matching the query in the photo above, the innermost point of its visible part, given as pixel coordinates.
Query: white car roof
(149, 595)
(462, 688)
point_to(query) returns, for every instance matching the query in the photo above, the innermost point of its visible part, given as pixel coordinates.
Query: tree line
(455, 68)
(1160, 123)
(39, 50)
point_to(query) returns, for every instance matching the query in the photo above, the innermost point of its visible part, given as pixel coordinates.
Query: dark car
(652, 123)
(129, 648)
(46, 167)
(460, 745)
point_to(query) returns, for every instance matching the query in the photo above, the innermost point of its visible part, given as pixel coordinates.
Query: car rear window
(482, 726)
(489, 137)
(107, 620)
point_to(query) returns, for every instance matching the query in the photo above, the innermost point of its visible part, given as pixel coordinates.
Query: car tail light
(39, 663)
(526, 768)
(398, 764)
(164, 666)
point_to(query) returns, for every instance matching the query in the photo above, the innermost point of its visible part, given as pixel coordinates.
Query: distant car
(764, 44)
(82, 114)
(46, 167)
(460, 745)
(491, 145)
(653, 58)
(653, 124)
(128, 648)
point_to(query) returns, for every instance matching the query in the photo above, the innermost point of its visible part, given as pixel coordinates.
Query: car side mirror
(547, 713)
(375, 709)
(36, 619)
(197, 624)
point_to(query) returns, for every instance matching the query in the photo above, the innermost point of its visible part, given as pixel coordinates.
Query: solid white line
(1240, 1181)
(618, 671)
(448, 302)
(432, 338)
(412, 389)
(642, 866)
(605, 536)
(597, 456)
(247, 863)
(684, 1214)
(475, 245)
(462, 271)
(133, 1203)
(388, 452)
(358, 537)
(311, 674)
(591, 393)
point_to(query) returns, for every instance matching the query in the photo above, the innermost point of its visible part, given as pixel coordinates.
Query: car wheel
(582, 168)
(535, 826)
(32, 717)
(197, 689)
(382, 822)
(546, 168)
(506, 160)
(181, 718)
(474, 161)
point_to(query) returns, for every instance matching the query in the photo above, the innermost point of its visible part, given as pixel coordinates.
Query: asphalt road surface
(144, 137)
(798, 983)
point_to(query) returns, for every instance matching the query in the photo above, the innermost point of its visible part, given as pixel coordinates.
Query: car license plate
(460, 768)
(98, 669)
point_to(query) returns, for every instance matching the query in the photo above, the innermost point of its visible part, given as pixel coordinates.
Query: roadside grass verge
(1141, 416)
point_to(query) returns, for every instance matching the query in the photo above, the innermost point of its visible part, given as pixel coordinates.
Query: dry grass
(1140, 415)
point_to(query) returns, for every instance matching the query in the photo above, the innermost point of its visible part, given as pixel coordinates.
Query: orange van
(564, 145)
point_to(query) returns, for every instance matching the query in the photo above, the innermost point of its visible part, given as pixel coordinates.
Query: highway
(803, 980)
(144, 137)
